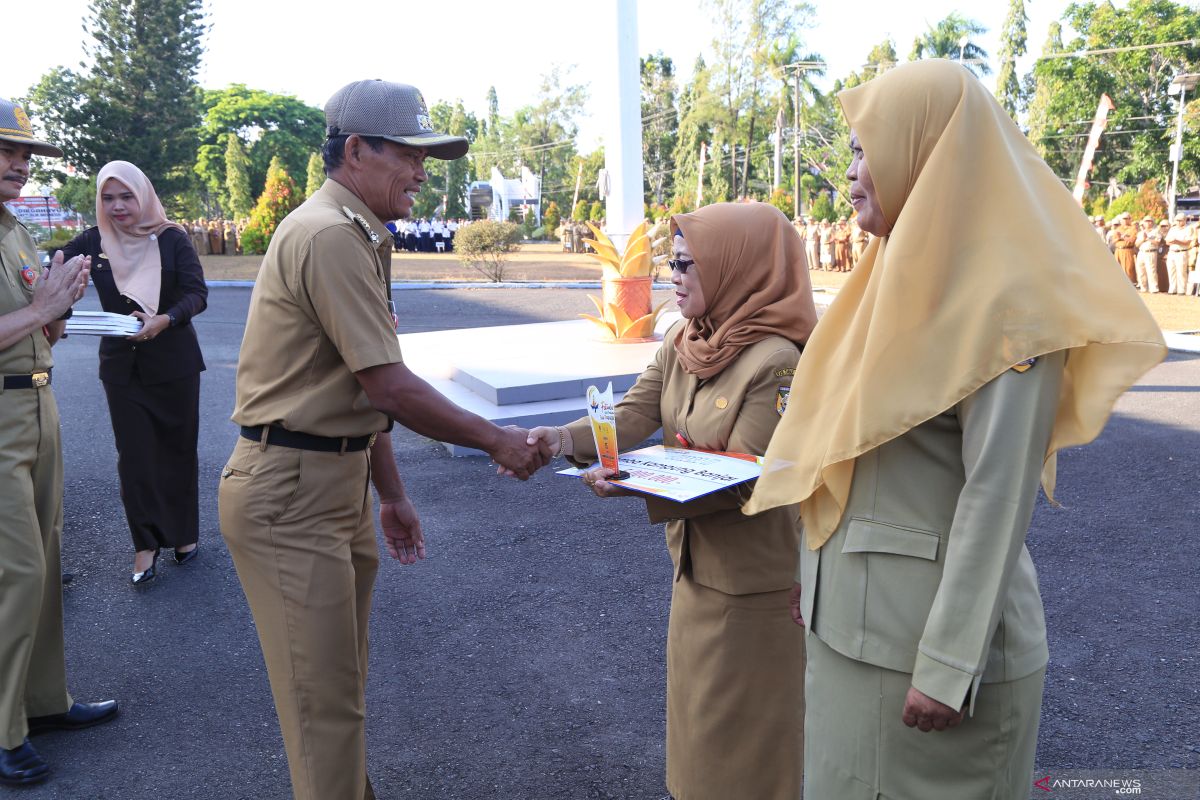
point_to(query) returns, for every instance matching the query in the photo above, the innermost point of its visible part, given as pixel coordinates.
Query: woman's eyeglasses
(679, 265)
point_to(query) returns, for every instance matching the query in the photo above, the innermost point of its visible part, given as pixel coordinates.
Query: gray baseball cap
(15, 127)
(393, 111)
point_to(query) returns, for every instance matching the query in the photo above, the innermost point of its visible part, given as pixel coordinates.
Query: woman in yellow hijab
(929, 401)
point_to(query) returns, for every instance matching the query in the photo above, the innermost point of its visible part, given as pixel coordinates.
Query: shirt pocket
(902, 575)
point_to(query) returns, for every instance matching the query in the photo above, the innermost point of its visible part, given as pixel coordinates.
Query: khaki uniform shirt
(927, 572)
(736, 410)
(318, 314)
(21, 267)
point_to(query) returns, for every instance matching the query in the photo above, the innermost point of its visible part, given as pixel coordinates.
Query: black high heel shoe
(183, 558)
(147, 575)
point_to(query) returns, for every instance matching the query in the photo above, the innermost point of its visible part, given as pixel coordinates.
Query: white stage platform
(526, 375)
(530, 375)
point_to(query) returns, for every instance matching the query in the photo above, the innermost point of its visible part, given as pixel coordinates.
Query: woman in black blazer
(146, 266)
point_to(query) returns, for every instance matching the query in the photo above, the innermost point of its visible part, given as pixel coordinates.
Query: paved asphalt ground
(524, 658)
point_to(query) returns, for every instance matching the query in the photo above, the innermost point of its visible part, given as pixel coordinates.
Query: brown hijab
(754, 277)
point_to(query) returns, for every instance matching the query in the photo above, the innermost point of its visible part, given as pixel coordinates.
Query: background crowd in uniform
(1157, 258)
(425, 235)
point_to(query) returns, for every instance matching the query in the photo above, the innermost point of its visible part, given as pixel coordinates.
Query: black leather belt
(35, 380)
(306, 441)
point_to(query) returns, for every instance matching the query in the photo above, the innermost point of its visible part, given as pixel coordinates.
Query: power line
(1127, 49)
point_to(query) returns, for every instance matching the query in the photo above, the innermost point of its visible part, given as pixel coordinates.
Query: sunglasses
(679, 265)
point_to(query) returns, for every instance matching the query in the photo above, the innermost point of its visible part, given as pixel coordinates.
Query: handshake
(519, 453)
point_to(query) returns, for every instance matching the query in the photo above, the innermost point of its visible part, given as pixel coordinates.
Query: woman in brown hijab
(720, 381)
(145, 265)
(953, 365)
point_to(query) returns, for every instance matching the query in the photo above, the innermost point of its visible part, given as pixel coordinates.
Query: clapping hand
(61, 285)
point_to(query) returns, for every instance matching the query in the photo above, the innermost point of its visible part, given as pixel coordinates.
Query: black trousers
(156, 429)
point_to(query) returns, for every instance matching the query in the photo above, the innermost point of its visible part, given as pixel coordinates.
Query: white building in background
(497, 197)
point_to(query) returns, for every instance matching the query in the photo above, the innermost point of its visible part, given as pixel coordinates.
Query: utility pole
(777, 171)
(575, 199)
(796, 147)
(700, 177)
(1179, 85)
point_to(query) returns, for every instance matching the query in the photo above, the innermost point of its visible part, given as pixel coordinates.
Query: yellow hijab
(990, 262)
(133, 251)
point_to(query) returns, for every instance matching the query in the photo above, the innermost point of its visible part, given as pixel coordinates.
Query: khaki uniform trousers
(1147, 270)
(300, 529)
(857, 748)
(33, 672)
(1177, 271)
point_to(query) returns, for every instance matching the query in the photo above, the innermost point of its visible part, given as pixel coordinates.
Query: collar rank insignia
(361, 221)
(1023, 366)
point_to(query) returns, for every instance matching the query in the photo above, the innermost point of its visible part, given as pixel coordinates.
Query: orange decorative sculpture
(625, 305)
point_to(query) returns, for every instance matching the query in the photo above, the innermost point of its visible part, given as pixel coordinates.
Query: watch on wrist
(171, 320)
(68, 314)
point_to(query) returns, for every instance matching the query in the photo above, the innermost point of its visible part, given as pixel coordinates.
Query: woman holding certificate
(146, 266)
(720, 381)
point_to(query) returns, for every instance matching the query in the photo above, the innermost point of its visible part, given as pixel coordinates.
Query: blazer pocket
(872, 536)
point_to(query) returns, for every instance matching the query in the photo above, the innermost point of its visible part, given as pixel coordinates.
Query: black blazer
(174, 353)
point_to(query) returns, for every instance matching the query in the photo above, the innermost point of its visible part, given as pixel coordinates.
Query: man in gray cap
(33, 301)
(320, 378)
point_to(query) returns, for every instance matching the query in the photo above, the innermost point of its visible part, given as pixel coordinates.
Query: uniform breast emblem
(721, 403)
(781, 399)
(1022, 366)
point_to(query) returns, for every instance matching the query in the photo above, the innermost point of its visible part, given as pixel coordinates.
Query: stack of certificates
(102, 323)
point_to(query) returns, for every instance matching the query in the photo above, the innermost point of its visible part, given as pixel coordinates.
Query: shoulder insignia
(1023, 366)
(785, 373)
(781, 399)
(361, 221)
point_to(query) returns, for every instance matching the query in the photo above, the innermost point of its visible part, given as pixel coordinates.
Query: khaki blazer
(709, 538)
(928, 573)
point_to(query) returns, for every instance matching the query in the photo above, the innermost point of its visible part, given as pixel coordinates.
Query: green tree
(1066, 90)
(540, 137)
(485, 246)
(139, 100)
(237, 178)
(315, 174)
(580, 212)
(660, 123)
(446, 189)
(1012, 46)
(551, 218)
(278, 199)
(743, 79)
(596, 212)
(952, 38)
(268, 125)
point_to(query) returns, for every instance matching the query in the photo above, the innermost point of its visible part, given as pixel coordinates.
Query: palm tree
(951, 38)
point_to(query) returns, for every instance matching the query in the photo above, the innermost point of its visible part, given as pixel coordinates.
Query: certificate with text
(680, 474)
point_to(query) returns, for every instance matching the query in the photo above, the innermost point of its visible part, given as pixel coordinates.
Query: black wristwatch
(171, 320)
(68, 314)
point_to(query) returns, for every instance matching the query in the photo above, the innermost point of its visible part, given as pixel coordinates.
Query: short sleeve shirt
(319, 313)
(19, 270)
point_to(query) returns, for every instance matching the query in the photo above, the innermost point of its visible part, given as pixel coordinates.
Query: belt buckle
(40, 379)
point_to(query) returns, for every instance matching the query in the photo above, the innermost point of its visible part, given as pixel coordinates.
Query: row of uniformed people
(423, 235)
(1154, 256)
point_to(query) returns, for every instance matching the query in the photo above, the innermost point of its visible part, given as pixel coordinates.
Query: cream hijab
(990, 262)
(133, 253)
(755, 278)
